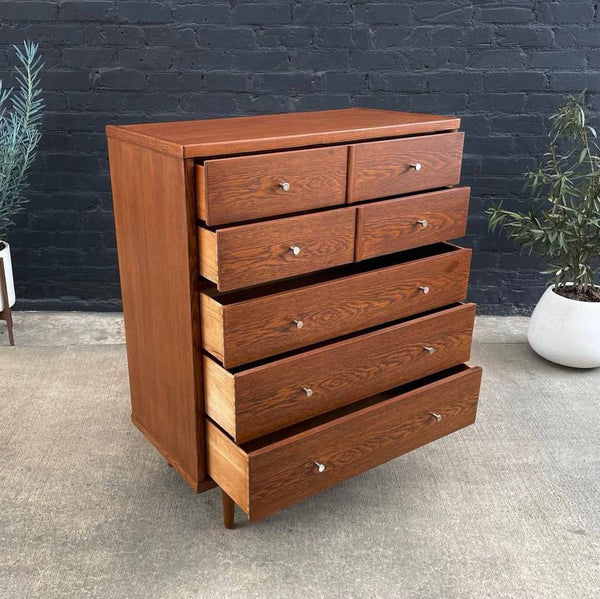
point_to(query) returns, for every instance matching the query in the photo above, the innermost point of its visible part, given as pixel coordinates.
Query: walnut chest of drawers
(292, 304)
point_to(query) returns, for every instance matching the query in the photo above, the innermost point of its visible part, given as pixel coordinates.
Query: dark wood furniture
(292, 305)
(6, 313)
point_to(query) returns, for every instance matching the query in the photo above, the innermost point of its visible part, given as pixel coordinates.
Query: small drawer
(246, 255)
(272, 472)
(255, 401)
(404, 223)
(245, 326)
(398, 166)
(251, 187)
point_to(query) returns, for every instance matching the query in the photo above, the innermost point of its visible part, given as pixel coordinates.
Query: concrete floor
(105, 328)
(508, 508)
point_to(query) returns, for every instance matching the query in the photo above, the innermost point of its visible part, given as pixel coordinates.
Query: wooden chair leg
(228, 511)
(6, 314)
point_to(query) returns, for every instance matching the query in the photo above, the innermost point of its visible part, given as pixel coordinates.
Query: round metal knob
(285, 186)
(417, 166)
(438, 417)
(429, 350)
(295, 249)
(308, 391)
(299, 324)
(424, 223)
(320, 467)
(424, 289)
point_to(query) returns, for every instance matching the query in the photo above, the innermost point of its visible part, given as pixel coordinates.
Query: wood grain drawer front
(251, 187)
(398, 166)
(404, 223)
(239, 332)
(272, 473)
(247, 255)
(260, 400)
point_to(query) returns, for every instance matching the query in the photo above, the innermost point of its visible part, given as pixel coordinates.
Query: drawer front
(269, 397)
(396, 225)
(256, 253)
(263, 478)
(258, 328)
(251, 187)
(398, 166)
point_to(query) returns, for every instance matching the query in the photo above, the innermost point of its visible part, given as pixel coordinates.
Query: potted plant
(562, 226)
(20, 119)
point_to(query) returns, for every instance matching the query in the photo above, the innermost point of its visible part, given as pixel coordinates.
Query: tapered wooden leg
(6, 314)
(9, 326)
(228, 511)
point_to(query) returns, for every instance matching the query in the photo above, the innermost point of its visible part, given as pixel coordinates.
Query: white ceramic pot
(566, 331)
(10, 284)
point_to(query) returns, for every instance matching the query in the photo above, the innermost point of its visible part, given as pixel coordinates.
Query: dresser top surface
(219, 137)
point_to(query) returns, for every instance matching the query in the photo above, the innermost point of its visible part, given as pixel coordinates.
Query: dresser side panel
(158, 264)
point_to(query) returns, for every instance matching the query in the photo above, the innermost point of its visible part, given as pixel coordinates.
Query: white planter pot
(10, 283)
(566, 331)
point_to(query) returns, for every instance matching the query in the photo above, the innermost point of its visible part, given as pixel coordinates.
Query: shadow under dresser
(293, 307)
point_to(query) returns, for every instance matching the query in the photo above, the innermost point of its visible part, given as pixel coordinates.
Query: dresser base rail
(199, 486)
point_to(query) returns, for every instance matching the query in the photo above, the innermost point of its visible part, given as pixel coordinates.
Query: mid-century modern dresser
(292, 304)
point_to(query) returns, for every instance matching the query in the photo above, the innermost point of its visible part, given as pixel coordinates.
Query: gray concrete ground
(507, 508)
(105, 328)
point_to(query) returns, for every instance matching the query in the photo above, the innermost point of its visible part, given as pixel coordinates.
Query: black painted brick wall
(501, 66)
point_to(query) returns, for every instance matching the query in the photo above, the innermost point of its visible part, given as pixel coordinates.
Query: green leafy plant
(562, 224)
(20, 121)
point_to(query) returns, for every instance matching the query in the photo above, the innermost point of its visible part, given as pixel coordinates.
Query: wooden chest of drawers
(292, 304)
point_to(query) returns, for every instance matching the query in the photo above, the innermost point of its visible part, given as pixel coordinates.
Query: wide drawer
(398, 166)
(245, 255)
(255, 401)
(238, 328)
(251, 187)
(408, 222)
(273, 472)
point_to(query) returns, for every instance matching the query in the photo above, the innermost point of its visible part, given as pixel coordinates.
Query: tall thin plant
(562, 224)
(20, 121)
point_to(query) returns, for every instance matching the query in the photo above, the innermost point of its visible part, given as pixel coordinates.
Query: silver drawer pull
(417, 166)
(438, 417)
(320, 467)
(424, 289)
(285, 186)
(429, 350)
(299, 323)
(424, 223)
(295, 249)
(308, 391)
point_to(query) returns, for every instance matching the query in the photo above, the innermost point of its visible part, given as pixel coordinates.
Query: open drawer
(275, 471)
(245, 326)
(262, 185)
(246, 255)
(392, 167)
(411, 221)
(251, 402)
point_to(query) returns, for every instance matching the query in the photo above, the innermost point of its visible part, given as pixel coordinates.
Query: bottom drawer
(277, 470)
